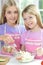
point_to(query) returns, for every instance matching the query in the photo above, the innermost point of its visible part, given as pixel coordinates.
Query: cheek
(7, 16)
(26, 23)
(16, 15)
(35, 21)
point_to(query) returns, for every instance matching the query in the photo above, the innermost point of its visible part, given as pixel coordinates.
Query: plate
(24, 57)
(27, 59)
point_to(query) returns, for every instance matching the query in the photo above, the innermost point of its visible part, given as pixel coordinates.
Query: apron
(31, 46)
(16, 43)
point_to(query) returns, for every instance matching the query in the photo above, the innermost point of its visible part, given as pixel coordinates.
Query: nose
(12, 15)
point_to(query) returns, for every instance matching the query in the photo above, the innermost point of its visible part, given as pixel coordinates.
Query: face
(11, 14)
(29, 20)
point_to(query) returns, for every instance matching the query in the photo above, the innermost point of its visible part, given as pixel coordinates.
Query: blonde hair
(32, 9)
(7, 4)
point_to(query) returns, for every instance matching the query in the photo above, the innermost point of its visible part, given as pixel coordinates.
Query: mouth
(12, 19)
(30, 24)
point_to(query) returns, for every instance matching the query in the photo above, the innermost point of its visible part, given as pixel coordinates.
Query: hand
(7, 38)
(39, 51)
(9, 49)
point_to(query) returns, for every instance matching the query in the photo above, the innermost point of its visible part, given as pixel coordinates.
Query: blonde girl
(32, 39)
(10, 20)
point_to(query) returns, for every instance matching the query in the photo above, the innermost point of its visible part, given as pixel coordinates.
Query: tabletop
(13, 61)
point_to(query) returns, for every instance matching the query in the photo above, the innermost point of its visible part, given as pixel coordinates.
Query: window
(41, 8)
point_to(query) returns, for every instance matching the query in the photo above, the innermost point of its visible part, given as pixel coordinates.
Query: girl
(9, 30)
(32, 39)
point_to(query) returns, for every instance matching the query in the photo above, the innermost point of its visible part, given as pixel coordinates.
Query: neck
(11, 24)
(36, 28)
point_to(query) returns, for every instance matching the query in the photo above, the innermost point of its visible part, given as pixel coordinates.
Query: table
(13, 61)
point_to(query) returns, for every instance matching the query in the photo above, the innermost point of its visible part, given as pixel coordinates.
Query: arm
(39, 51)
(1, 37)
(23, 48)
(6, 38)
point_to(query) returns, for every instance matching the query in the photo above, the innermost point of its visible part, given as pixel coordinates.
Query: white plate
(27, 59)
(23, 56)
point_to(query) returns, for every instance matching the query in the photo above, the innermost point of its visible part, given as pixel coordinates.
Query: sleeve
(1, 33)
(1, 29)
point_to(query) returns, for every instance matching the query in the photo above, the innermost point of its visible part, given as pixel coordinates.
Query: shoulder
(21, 28)
(41, 30)
(2, 26)
(2, 29)
(26, 33)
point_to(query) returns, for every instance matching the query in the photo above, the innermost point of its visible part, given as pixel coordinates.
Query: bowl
(4, 60)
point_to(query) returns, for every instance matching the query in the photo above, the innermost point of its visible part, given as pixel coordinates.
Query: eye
(15, 11)
(25, 19)
(9, 12)
(30, 17)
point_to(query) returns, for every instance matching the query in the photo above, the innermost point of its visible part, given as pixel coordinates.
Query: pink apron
(16, 38)
(32, 45)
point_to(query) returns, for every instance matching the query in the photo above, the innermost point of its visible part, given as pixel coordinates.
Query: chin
(12, 22)
(30, 27)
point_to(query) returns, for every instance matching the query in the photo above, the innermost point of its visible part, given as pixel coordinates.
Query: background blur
(23, 3)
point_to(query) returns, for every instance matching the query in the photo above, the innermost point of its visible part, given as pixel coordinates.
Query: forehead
(11, 8)
(26, 14)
